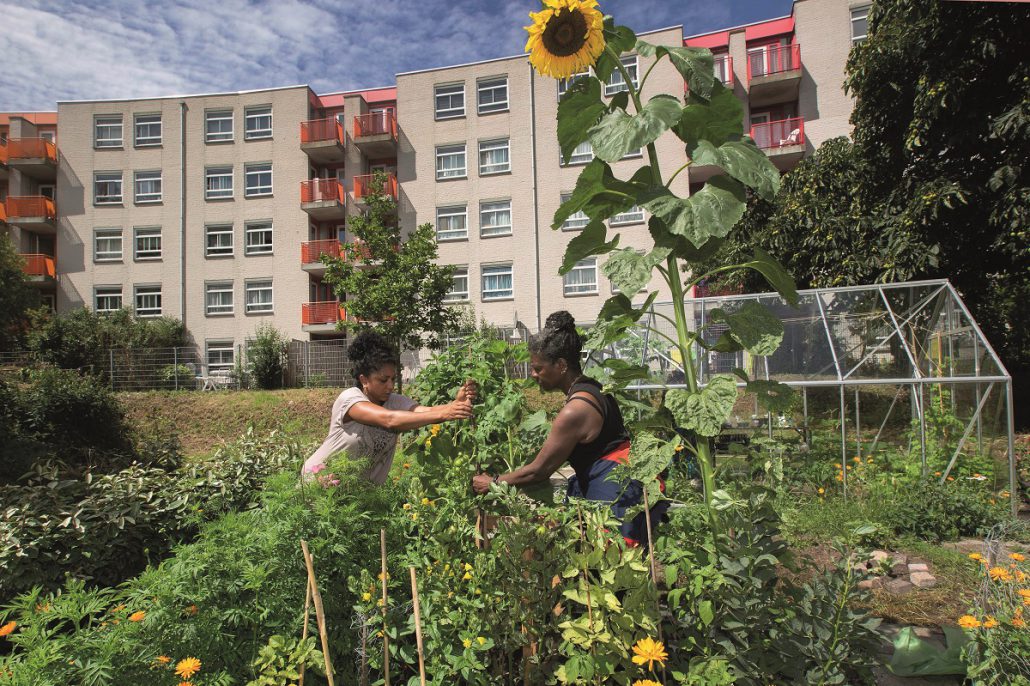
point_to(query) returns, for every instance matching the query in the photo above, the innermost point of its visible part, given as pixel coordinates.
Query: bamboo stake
(586, 578)
(654, 571)
(386, 639)
(304, 632)
(319, 612)
(418, 628)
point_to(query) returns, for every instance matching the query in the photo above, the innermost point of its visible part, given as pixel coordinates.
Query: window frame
(449, 211)
(491, 270)
(440, 173)
(215, 288)
(505, 230)
(219, 346)
(139, 291)
(864, 9)
(567, 225)
(565, 84)
(108, 233)
(448, 112)
(611, 88)
(491, 84)
(219, 136)
(568, 290)
(258, 285)
(149, 141)
(456, 296)
(218, 172)
(258, 226)
(121, 190)
(249, 169)
(257, 113)
(573, 161)
(108, 143)
(628, 217)
(151, 254)
(493, 142)
(147, 198)
(107, 292)
(219, 230)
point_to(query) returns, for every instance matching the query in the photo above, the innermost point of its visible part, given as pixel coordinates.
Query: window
(257, 122)
(565, 84)
(639, 152)
(582, 278)
(459, 286)
(450, 101)
(148, 243)
(148, 301)
(107, 188)
(495, 218)
(148, 186)
(107, 245)
(494, 157)
(493, 95)
(108, 131)
(452, 223)
(859, 25)
(721, 62)
(578, 220)
(633, 215)
(218, 239)
(220, 356)
(450, 162)
(257, 180)
(498, 283)
(218, 126)
(583, 153)
(616, 84)
(258, 238)
(107, 298)
(259, 296)
(148, 130)
(218, 298)
(217, 183)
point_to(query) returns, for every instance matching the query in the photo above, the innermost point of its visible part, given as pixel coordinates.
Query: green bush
(933, 511)
(266, 357)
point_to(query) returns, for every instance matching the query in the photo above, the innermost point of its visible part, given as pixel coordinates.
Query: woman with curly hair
(588, 432)
(366, 419)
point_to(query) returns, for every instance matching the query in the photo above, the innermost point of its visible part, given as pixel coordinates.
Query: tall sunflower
(566, 37)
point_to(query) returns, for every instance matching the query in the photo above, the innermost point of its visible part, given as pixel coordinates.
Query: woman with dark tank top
(588, 432)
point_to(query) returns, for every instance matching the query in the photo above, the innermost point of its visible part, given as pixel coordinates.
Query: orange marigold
(968, 622)
(1000, 574)
(8, 628)
(137, 616)
(187, 667)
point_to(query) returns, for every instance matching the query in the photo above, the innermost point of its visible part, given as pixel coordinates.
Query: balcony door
(769, 59)
(761, 133)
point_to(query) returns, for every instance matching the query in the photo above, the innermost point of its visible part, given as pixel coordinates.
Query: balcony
(35, 157)
(322, 140)
(773, 74)
(323, 199)
(4, 170)
(32, 212)
(311, 254)
(365, 184)
(3, 212)
(40, 269)
(322, 317)
(375, 134)
(783, 141)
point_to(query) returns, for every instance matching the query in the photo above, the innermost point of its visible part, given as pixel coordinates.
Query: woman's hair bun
(561, 321)
(368, 344)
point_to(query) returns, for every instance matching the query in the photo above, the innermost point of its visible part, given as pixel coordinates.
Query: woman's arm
(400, 420)
(467, 391)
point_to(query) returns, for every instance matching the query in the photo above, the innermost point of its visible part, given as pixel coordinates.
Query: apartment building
(217, 208)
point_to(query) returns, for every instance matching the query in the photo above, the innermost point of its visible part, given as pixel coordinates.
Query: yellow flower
(968, 622)
(163, 659)
(1018, 557)
(647, 650)
(645, 682)
(840, 478)
(869, 460)
(8, 628)
(406, 506)
(380, 602)
(467, 643)
(467, 577)
(479, 592)
(468, 567)
(822, 490)
(990, 622)
(366, 597)
(137, 616)
(976, 556)
(191, 610)
(425, 501)
(434, 430)
(187, 668)
(837, 465)
(186, 683)
(951, 478)
(1000, 574)
(414, 517)
(1025, 592)
(480, 640)
(1018, 622)
(406, 465)
(1020, 576)
(856, 459)
(565, 38)
(936, 473)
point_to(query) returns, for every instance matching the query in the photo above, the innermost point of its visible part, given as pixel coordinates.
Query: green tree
(266, 356)
(17, 296)
(390, 285)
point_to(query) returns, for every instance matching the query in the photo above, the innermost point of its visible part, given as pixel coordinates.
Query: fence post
(110, 375)
(175, 363)
(307, 363)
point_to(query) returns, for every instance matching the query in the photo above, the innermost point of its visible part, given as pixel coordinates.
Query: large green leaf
(712, 211)
(717, 121)
(704, 411)
(775, 274)
(621, 373)
(616, 316)
(772, 395)
(743, 161)
(619, 39)
(579, 109)
(754, 327)
(696, 65)
(600, 195)
(679, 245)
(589, 241)
(914, 656)
(620, 306)
(631, 271)
(619, 133)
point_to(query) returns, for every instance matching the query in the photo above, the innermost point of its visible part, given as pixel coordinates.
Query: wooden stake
(418, 628)
(386, 639)
(304, 632)
(586, 578)
(319, 612)
(654, 570)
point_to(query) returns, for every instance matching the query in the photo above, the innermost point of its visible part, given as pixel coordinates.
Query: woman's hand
(459, 409)
(481, 483)
(469, 391)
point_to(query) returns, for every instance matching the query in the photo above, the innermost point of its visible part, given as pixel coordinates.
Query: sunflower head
(566, 37)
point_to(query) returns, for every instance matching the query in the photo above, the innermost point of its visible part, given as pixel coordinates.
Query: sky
(96, 49)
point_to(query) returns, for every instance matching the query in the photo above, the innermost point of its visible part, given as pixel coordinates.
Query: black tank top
(613, 430)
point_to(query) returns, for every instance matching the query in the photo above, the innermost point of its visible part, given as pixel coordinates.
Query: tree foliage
(17, 297)
(390, 285)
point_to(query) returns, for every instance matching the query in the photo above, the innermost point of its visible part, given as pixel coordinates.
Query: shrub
(266, 356)
(933, 511)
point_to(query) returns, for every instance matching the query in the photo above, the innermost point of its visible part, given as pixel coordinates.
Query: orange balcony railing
(779, 134)
(31, 206)
(312, 251)
(328, 312)
(3, 212)
(321, 130)
(773, 59)
(319, 190)
(375, 124)
(363, 185)
(3, 152)
(39, 265)
(29, 148)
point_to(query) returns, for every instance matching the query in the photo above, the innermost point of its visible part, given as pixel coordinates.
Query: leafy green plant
(280, 661)
(266, 356)
(933, 511)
